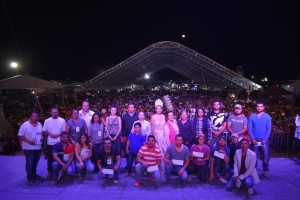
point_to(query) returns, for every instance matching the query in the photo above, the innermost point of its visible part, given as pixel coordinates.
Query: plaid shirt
(199, 127)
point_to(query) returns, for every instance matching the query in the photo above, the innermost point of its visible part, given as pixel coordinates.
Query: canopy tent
(23, 82)
(172, 55)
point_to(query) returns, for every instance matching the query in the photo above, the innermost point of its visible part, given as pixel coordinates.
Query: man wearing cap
(237, 123)
(260, 126)
(219, 159)
(233, 146)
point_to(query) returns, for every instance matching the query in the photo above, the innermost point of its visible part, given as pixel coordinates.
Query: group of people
(159, 148)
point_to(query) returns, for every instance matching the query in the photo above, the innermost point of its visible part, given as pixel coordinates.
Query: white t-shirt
(54, 126)
(87, 118)
(30, 132)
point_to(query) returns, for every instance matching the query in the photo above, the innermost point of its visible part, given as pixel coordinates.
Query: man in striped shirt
(148, 158)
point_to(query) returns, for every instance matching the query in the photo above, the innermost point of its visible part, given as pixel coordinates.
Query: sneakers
(168, 181)
(266, 174)
(223, 180)
(250, 191)
(137, 183)
(30, 182)
(116, 181)
(152, 179)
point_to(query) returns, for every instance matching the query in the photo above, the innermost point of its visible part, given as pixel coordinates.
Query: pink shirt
(205, 150)
(172, 132)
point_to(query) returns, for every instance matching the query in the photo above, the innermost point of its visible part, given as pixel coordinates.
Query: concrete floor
(283, 183)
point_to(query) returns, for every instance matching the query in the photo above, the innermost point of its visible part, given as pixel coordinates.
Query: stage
(283, 183)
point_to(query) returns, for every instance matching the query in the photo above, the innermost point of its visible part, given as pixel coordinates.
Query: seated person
(149, 155)
(219, 159)
(197, 163)
(244, 168)
(177, 159)
(134, 142)
(63, 156)
(83, 153)
(234, 145)
(109, 158)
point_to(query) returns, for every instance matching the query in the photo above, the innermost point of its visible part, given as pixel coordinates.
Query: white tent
(23, 82)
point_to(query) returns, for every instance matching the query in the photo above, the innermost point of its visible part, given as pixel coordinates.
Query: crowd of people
(198, 136)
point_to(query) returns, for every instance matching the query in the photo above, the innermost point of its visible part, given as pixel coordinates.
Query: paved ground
(283, 183)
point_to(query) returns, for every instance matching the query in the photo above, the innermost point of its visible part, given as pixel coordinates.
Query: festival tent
(23, 82)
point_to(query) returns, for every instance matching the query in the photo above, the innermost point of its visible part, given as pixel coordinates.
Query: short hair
(64, 133)
(184, 111)
(35, 112)
(54, 108)
(260, 102)
(107, 139)
(86, 101)
(151, 136)
(222, 138)
(74, 109)
(216, 100)
(138, 124)
(130, 103)
(177, 136)
(244, 139)
(99, 115)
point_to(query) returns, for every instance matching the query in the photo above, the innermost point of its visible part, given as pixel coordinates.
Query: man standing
(127, 121)
(63, 156)
(85, 113)
(186, 129)
(244, 168)
(148, 156)
(234, 145)
(237, 122)
(31, 135)
(109, 158)
(259, 131)
(218, 121)
(53, 128)
(177, 159)
(219, 159)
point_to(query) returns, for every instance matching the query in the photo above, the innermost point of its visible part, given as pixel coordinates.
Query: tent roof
(171, 55)
(296, 83)
(22, 82)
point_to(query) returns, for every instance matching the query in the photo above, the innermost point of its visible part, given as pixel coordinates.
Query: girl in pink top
(171, 129)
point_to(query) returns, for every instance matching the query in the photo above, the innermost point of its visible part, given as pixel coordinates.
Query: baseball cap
(235, 135)
(238, 106)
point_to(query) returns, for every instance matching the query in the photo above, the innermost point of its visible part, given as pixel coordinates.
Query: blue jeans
(87, 164)
(223, 168)
(140, 169)
(32, 158)
(175, 168)
(116, 173)
(96, 149)
(57, 167)
(131, 156)
(265, 154)
(247, 181)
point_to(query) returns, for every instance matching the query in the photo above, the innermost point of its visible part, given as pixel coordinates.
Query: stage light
(183, 36)
(14, 64)
(147, 76)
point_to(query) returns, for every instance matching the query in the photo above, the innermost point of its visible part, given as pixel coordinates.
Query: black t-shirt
(216, 119)
(111, 157)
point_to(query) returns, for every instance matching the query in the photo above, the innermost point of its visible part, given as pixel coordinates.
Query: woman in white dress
(158, 122)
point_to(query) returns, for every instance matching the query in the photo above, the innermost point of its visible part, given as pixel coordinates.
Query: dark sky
(67, 40)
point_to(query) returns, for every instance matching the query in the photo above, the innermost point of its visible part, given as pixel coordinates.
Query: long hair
(99, 115)
(87, 142)
(200, 108)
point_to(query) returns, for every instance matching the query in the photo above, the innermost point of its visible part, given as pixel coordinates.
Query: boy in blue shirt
(134, 142)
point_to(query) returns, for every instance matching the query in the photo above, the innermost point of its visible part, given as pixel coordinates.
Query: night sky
(65, 40)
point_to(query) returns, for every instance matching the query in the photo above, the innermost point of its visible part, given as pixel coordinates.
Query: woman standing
(75, 126)
(83, 153)
(113, 127)
(96, 135)
(171, 129)
(186, 129)
(146, 128)
(202, 125)
(158, 122)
